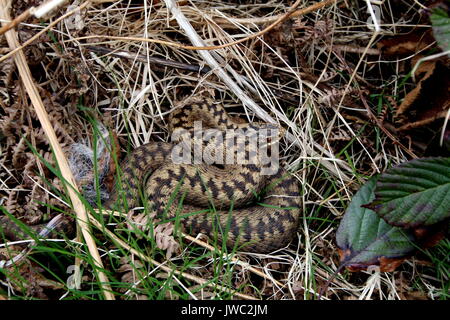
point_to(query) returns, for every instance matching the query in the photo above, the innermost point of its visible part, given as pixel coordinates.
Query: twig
(427, 58)
(354, 49)
(332, 278)
(23, 16)
(38, 12)
(68, 179)
(171, 5)
(146, 59)
(446, 121)
(264, 20)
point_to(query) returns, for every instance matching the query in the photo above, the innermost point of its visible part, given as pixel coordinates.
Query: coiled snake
(218, 199)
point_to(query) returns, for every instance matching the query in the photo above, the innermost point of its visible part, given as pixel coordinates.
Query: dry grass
(315, 74)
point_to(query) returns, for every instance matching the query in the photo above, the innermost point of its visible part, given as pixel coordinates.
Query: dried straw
(68, 179)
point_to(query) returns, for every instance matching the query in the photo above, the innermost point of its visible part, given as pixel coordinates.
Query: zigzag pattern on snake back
(251, 227)
(229, 188)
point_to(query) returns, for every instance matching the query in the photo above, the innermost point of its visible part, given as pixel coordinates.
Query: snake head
(273, 131)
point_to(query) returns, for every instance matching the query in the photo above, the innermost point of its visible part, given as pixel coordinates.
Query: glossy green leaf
(440, 22)
(415, 193)
(365, 239)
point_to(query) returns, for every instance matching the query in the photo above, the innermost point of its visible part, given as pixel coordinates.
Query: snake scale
(217, 200)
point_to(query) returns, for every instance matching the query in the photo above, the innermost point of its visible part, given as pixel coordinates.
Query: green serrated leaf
(415, 193)
(364, 238)
(440, 22)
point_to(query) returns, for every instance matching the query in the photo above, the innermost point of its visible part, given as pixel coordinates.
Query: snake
(233, 202)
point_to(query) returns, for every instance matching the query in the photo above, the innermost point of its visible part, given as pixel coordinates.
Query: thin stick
(38, 12)
(68, 179)
(271, 19)
(23, 16)
(146, 59)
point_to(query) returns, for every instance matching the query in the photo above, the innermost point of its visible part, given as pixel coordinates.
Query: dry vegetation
(328, 78)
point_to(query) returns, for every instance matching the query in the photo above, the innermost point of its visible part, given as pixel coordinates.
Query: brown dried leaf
(430, 236)
(406, 44)
(7, 68)
(165, 240)
(128, 277)
(28, 276)
(384, 264)
(136, 264)
(415, 295)
(430, 100)
(138, 221)
(424, 71)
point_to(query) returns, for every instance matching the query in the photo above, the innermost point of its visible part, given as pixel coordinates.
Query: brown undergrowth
(341, 105)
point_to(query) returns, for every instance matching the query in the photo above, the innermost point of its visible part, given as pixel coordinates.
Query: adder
(236, 202)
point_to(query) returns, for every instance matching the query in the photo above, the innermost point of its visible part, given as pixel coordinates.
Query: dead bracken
(356, 89)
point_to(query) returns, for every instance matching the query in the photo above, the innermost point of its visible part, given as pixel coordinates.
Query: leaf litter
(302, 72)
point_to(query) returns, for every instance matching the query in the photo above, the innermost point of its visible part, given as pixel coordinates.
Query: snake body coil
(218, 200)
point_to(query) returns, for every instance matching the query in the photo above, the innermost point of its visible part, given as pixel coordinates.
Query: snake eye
(219, 166)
